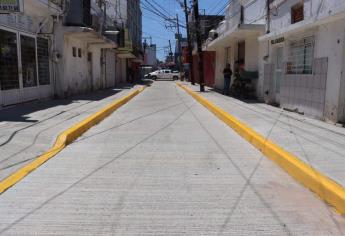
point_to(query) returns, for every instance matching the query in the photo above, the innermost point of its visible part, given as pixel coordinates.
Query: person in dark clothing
(227, 72)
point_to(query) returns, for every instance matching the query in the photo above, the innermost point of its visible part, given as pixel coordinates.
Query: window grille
(300, 59)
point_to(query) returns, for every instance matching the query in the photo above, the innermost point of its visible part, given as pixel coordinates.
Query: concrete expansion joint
(67, 137)
(325, 188)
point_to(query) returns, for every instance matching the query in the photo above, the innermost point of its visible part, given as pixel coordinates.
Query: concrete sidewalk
(28, 130)
(317, 143)
(163, 165)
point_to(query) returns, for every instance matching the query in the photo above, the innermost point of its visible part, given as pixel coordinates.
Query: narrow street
(163, 165)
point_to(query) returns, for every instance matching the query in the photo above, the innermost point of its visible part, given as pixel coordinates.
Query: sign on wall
(9, 6)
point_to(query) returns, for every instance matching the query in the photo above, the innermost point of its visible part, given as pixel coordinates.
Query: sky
(154, 25)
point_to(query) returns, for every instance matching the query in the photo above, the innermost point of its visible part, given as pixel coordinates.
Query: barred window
(300, 60)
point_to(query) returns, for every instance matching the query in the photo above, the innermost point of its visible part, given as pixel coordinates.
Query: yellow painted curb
(65, 138)
(324, 187)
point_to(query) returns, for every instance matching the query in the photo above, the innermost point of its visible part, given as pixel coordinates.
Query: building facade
(130, 55)
(302, 59)
(62, 48)
(235, 40)
(297, 48)
(150, 56)
(25, 64)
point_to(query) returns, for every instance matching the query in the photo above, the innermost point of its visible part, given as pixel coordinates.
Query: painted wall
(97, 80)
(254, 11)
(150, 55)
(313, 9)
(329, 43)
(77, 79)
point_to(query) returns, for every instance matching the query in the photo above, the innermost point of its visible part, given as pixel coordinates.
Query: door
(89, 68)
(110, 68)
(167, 74)
(278, 73)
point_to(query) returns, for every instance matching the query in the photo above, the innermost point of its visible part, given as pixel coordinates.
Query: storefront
(295, 73)
(24, 67)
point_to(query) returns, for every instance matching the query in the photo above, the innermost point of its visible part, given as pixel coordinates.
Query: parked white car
(164, 74)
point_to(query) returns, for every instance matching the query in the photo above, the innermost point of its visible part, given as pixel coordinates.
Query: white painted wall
(254, 11)
(313, 9)
(330, 44)
(151, 55)
(96, 67)
(76, 72)
(219, 80)
(263, 52)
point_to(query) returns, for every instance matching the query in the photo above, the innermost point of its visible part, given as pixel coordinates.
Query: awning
(241, 32)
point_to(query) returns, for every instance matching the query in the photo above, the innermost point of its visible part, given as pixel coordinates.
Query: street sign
(8, 6)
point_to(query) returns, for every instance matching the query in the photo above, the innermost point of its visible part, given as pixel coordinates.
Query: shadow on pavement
(20, 112)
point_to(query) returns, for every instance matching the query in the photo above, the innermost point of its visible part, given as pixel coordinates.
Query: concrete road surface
(163, 165)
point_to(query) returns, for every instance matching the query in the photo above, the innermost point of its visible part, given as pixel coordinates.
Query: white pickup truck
(164, 74)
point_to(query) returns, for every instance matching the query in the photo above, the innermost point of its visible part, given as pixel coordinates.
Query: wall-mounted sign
(9, 6)
(277, 40)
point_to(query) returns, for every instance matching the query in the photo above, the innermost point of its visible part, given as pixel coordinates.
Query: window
(43, 61)
(9, 78)
(29, 70)
(297, 13)
(79, 52)
(301, 55)
(74, 51)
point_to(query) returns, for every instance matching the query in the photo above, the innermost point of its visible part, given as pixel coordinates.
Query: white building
(53, 47)
(302, 59)
(129, 53)
(150, 58)
(237, 41)
(25, 66)
(84, 61)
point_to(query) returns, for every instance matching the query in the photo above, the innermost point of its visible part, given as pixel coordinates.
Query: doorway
(241, 54)
(342, 86)
(278, 73)
(89, 68)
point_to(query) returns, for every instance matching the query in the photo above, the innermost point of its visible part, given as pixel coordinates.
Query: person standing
(227, 72)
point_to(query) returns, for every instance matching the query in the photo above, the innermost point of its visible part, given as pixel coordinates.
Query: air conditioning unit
(79, 13)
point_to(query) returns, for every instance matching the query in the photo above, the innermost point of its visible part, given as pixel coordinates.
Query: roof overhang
(125, 55)
(242, 31)
(90, 36)
(138, 60)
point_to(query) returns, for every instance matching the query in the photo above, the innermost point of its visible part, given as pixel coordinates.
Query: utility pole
(198, 42)
(190, 48)
(179, 45)
(170, 51)
(268, 17)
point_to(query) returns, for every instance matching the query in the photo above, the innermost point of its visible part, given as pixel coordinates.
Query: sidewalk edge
(327, 189)
(65, 138)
